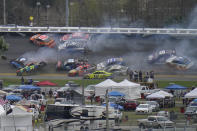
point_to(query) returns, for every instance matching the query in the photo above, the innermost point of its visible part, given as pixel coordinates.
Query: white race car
(179, 62)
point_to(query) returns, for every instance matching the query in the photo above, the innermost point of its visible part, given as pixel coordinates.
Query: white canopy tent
(130, 89)
(18, 119)
(159, 95)
(105, 84)
(192, 94)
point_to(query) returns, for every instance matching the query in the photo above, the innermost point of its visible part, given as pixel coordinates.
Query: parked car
(143, 109)
(191, 111)
(155, 122)
(154, 105)
(130, 104)
(147, 91)
(163, 113)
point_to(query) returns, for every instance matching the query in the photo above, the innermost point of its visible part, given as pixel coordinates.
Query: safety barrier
(112, 30)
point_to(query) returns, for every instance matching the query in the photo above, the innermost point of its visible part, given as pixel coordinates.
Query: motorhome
(75, 117)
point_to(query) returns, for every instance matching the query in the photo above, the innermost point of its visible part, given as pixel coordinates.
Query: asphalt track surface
(134, 51)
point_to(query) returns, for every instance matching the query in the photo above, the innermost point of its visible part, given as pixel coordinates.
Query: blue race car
(160, 57)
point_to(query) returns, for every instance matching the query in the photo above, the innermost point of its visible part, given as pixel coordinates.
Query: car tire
(159, 127)
(142, 126)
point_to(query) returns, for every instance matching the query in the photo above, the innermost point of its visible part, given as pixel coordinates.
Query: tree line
(99, 13)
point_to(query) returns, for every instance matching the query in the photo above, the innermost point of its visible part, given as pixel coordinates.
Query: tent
(2, 92)
(115, 106)
(176, 87)
(126, 83)
(130, 89)
(13, 98)
(116, 93)
(46, 83)
(17, 120)
(192, 94)
(159, 95)
(105, 84)
(29, 87)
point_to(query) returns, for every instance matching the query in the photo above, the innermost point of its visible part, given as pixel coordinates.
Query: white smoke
(45, 54)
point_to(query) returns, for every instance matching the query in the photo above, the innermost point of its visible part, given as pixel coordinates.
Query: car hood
(141, 108)
(168, 121)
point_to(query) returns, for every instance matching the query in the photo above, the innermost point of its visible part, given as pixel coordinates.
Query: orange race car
(79, 71)
(43, 40)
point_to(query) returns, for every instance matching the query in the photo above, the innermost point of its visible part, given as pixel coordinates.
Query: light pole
(67, 13)
(47, 7)
(4, 13)
(38, 12)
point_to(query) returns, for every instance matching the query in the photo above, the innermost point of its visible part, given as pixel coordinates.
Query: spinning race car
(79, 71)
(75, 42)
(161, 56)
(180, 63)
(43, 40)
(27, 70)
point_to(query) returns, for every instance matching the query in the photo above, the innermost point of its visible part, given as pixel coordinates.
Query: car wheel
(142, 126)
(159, 127)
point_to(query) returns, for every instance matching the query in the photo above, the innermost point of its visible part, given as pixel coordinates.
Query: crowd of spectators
(139, 76)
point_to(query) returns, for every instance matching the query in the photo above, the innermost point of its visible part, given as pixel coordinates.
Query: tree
(3, 46)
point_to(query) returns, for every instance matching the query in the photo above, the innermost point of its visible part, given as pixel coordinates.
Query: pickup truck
(155, 122)
(147, 91)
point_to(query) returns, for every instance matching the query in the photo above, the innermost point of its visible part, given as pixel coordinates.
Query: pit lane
(134, 50)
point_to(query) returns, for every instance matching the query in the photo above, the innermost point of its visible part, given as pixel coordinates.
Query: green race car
(98, 75)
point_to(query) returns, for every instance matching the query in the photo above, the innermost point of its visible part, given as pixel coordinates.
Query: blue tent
(13, 98)
(115, 93)
(115, 106)
(176, 87)
(195, 100)
(29, 87)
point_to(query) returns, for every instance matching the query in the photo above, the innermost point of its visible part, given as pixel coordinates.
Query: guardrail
(148, 31)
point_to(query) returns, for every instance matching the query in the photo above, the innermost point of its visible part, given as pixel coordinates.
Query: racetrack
(134, 50)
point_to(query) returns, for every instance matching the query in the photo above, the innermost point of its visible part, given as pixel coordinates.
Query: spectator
(140, 76)
(1, 84)
(30, 81)
(152, 74)
(131, 75)
(50, 93)
(22, 81)
(135, 76)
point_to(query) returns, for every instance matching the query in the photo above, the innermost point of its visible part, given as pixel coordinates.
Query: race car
(75, 42)
(79, 71)
(75, 36)
(19, 62)
(67, 65)
(179, 62)
(161, 56)
(99, 75)
(30, 68)
(117, 69)
(109, 62)
(43, 40)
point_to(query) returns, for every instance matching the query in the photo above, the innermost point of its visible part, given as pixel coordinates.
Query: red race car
(43, 40)
(75, 36)
(79, 71)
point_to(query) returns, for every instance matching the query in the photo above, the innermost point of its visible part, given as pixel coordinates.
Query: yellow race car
(99, 75)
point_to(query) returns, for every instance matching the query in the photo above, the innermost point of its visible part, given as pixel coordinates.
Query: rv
(75, 117)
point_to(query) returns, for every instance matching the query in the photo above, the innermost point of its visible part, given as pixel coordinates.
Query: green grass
(163, 84)
(86, 82)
